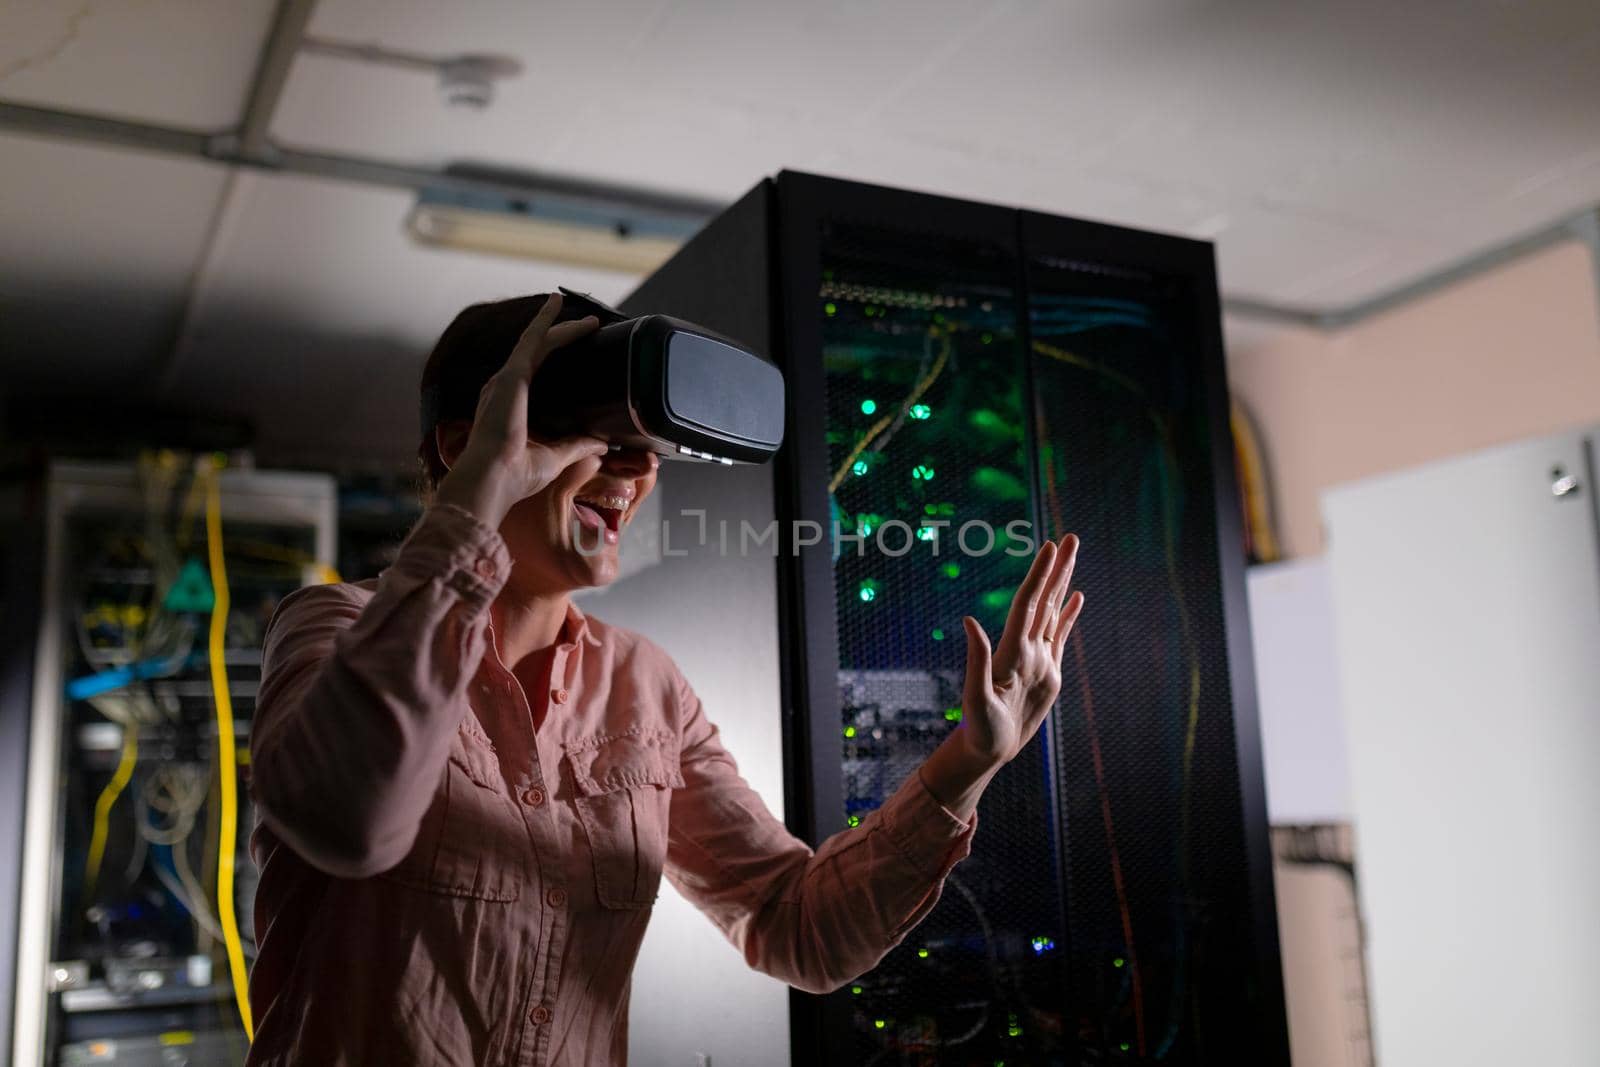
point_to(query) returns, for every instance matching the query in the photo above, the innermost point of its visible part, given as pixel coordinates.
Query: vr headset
(653, 382)
(660, 384)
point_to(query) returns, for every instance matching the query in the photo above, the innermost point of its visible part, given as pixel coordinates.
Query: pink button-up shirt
(445, 882)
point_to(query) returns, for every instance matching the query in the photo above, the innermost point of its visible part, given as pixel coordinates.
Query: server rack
(115, 970)
(949, 361)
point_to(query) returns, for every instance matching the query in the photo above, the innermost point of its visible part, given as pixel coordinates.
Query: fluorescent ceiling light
(563, 227)
(532, 238)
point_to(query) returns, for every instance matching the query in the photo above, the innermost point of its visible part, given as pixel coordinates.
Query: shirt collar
(578, 627)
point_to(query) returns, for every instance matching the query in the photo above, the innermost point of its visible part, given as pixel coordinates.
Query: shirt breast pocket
(623, 794)
(472, 842)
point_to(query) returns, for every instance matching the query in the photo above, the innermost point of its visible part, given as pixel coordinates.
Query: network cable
(227, 753)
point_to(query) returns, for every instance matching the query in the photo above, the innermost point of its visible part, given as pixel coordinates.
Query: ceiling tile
(186, 63)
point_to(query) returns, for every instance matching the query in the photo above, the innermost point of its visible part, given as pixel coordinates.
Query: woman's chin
(597, 568)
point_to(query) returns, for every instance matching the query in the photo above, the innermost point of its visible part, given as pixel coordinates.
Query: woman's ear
(450, 439)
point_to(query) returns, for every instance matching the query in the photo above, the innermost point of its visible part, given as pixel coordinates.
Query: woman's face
(566, 536)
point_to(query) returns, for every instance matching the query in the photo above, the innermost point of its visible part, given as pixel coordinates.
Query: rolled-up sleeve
(815, 920)
(360, 697)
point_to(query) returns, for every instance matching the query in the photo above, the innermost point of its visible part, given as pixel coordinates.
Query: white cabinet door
(1467, 611)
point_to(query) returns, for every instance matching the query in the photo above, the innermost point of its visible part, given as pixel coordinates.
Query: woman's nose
(628, 462)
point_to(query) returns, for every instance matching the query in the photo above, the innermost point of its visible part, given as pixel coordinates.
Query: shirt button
(559, 696)
(533, 797)
(557, 898)
(486, 567)
(540, 1015)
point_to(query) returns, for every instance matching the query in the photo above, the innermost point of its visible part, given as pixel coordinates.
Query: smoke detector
(468, 81)
(465, 81)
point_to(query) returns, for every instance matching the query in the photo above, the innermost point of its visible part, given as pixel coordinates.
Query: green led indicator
(856, 990)
(988, 338)
(922, 472)
(849, 731)
(1118, 962)
(868, 595)
(853, 820)
(927, 533)
(868, 406)
(922, 953)
(829, 308)
(1013, 1031)
(938, 634)
(879, 1023)
(996, 599)
(951, 570)
(1124, 1046)
(859, 467)
(920, 411)
(952, 714)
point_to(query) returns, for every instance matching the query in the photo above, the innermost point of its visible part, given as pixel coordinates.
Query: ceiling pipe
(230, 149)
(1583, 227)
(227, 148)
(288, 27)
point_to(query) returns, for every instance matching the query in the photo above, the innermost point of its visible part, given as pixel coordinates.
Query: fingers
(979, 662)
(1025, 602)
(569, 450)
(1063, 626)
(543, 335)
(1056, 590)
(564, 333)
(527, 354)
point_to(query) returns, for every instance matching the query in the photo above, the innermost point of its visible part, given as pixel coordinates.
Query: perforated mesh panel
(1160, 909)
(1105, 914)
(925, 399)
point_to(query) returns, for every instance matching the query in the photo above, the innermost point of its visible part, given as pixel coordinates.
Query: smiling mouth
(603, 513)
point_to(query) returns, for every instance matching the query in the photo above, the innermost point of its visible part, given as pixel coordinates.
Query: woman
(468, 791)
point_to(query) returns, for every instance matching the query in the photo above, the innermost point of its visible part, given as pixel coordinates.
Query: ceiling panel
(97, 248)
(184, 63)
(1328, 148)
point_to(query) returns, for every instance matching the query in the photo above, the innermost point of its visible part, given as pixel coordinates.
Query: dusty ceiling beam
(226, 148)
(288, 28)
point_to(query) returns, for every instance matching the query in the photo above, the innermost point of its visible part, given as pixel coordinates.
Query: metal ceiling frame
(1584, 227)
(250, 147)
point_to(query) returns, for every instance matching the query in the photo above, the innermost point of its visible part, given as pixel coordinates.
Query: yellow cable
(877, 427)
(227, 755)
(102, 807)
(1253, 485)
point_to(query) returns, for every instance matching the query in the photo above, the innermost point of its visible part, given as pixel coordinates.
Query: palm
(1010, 690)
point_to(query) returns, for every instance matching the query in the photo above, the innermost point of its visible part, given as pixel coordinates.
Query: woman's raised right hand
(502, 463)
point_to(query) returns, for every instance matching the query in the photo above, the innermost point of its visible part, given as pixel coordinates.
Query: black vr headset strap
(575, 305)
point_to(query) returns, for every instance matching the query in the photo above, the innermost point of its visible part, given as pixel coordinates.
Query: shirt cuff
(461, 550)
(925, 831)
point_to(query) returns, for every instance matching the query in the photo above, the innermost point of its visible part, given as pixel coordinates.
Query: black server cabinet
(960, 368)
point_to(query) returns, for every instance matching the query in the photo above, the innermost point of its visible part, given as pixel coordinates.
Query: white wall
(1297, 684)
(1467, 608)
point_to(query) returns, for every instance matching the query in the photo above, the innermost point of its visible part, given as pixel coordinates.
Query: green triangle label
(192, 591)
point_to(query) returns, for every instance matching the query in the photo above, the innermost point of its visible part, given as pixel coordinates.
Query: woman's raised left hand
(1011, 688)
